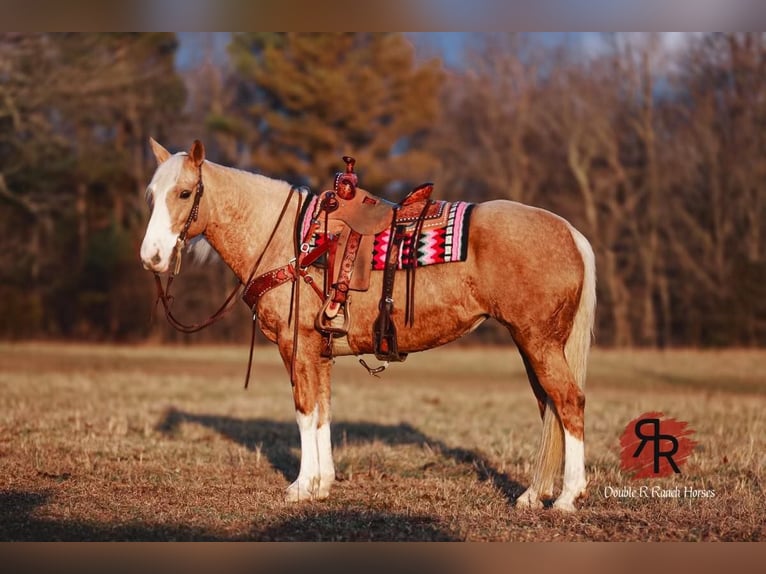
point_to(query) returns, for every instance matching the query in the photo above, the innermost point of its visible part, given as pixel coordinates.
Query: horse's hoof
(529, 500)
(299, 491)
(564, 506)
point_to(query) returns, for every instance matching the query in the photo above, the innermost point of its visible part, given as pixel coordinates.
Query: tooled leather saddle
(353, 217)
(339, 238)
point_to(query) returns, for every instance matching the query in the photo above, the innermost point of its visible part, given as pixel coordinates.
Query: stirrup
(331, 310)
(324, 324)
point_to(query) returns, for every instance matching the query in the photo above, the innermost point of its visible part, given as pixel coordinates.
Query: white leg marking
(574, 473)
(307, 485)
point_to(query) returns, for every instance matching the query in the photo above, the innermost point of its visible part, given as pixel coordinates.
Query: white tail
(578, 345)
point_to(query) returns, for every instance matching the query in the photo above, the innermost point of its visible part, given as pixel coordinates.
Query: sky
(193, 45)
(450, 46)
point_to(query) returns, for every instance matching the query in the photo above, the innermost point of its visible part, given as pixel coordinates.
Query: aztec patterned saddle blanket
(442, 238)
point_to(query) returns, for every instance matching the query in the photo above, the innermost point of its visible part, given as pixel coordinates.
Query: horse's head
(171, 197)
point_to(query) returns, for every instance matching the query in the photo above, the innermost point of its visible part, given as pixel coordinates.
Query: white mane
(201, 251)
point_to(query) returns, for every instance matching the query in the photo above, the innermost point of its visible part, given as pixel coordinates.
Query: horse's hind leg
(311, 395)
(563, 418)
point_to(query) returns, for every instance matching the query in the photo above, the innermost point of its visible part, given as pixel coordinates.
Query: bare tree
(485, 141)
(584, 114)
(719, 210)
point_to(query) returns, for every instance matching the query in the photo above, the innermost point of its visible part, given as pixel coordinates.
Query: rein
(163, 293)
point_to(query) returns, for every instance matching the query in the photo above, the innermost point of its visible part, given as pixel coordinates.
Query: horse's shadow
(276, 439)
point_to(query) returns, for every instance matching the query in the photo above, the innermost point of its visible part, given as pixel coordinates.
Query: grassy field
(162, 443)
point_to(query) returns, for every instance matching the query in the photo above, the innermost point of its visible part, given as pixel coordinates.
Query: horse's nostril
(156, 258)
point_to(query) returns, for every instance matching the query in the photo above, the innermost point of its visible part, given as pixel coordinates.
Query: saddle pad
(443, 239)
(446, 243)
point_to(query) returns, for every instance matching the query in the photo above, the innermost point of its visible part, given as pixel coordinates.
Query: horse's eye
(185, 194)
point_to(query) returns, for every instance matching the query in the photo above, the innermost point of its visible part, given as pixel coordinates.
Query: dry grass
(151, 443)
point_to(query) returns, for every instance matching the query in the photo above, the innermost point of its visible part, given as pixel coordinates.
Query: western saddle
(340, 239)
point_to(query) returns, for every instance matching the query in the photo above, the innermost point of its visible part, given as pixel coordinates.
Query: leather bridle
(163, 293)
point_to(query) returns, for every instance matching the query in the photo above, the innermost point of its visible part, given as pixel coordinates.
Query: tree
(33, 162)
(72, 164)
(309, 99)
(719, 206)
(488, 145)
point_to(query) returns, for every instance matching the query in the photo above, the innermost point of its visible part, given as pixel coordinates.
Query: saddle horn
(345, 183)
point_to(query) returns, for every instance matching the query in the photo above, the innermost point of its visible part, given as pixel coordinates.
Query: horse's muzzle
(154, 263)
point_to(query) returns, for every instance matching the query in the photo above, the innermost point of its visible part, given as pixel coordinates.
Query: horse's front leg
(311, 395)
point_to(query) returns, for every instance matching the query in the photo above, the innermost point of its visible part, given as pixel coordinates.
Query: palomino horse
(527, 268)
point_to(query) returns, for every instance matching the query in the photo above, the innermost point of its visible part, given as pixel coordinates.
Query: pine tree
(312, 98)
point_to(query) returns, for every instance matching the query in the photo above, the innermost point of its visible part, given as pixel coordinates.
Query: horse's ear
(160, 153)
(197, 153)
